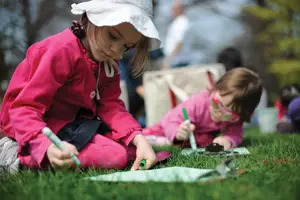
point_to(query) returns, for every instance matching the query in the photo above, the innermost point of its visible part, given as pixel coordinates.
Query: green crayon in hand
(142, 164)
(58, 143)
(191, 136)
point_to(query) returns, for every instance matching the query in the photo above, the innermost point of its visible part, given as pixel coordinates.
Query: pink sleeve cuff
(130, 137)
(171, 130)
(38, 149)
(232, 140)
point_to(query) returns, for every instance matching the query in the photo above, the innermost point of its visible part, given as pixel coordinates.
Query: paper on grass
(169, 174)
(235, 151)
(227, 168)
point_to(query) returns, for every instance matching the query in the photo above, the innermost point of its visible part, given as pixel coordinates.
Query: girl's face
(110, 42)
(220, 108)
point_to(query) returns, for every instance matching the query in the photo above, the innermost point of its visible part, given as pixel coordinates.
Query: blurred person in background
(286, 95)
(230, 57)
(294, 114)
(175, 34)
(288, 107)
(134, 84)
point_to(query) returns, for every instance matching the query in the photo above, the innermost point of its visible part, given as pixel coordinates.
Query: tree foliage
(281, 37)
(21, 23)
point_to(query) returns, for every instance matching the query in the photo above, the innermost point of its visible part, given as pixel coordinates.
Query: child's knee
(110, 156)
(119, 157)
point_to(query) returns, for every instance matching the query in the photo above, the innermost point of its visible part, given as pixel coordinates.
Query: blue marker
(58, 143)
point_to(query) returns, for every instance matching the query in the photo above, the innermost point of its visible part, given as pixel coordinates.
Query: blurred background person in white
(175, 33)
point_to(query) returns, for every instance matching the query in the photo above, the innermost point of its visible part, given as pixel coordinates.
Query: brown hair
(140, 57)
(246, 88)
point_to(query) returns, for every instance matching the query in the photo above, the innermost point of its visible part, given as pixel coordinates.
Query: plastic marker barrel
(142, 164)
(58, 143)
(191, 136)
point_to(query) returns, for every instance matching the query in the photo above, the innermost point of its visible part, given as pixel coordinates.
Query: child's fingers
(57, 163)
(179, 137)
(182, 131)
(223, 141)
(192, 127)
(182, 135)
(136, 163)
(185, 135)
(59, 154)
(188, 127)
(150, 162)
(186, 131)
(227, 144)
(71, 148)
(185, 128)
(217, 140)
(183, 124)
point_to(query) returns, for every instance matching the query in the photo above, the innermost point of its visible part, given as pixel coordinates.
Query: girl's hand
(143, 151)
(59, 158)
(184, 130)
(221, 140)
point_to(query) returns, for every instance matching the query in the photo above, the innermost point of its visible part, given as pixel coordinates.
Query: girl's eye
(112, 37)
(127, 48)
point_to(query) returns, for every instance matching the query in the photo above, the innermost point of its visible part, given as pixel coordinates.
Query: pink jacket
(198, 110)
(54, 81)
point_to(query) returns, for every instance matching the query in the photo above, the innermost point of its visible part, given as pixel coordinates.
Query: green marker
(58, 143)
(142, 164)
(191, 136)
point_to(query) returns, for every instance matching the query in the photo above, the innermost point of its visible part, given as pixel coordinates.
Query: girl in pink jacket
(220, 110)
(70, 83)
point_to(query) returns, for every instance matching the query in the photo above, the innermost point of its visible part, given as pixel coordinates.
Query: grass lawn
(273, 172)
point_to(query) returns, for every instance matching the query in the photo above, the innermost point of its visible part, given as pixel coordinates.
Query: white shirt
(175, 33)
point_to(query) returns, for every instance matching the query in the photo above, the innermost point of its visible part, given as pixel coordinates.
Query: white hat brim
(108, 14)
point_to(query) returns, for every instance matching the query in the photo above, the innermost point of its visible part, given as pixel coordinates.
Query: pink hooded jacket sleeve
(48, 69)
(113, 112)
(234, 133)
(174, 118)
